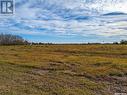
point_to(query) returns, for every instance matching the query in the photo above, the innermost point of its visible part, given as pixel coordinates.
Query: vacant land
(63, 70)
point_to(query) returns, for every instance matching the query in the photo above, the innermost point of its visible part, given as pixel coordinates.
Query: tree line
(9, 39)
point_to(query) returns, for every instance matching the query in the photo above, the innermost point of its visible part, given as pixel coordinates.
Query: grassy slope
(63, 70)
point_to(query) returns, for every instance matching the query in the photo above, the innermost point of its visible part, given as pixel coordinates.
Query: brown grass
(63, 70)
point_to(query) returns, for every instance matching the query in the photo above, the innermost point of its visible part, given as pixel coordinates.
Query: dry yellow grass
(63, 69)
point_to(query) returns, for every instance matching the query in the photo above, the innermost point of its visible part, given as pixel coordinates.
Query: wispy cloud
(65, 18)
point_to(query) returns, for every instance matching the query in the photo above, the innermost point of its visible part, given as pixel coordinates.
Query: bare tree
(8, 39)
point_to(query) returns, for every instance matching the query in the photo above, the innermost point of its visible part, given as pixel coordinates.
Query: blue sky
(68, 21)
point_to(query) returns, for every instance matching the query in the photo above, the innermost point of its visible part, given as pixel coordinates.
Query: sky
(67, 21)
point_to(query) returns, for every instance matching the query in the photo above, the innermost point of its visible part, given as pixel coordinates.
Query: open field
(63, 70)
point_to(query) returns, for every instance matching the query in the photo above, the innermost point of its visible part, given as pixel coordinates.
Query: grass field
(63, 70)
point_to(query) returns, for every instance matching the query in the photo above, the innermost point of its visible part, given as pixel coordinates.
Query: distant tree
(40, 43)
(123, 42)
(115, 43)
(9, 39)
